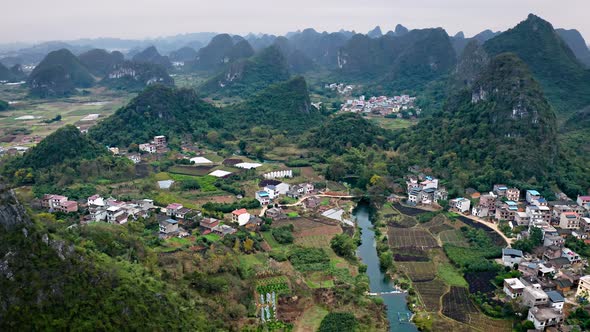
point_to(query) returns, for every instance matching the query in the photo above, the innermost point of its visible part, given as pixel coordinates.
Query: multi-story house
(513, 194)
(513, 287)
(532, 195)
(569, 220)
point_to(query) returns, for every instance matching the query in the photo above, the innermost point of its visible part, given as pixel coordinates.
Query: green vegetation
(510, 114)
(339, 322)
(534, 240)
(283, 234)
(309, 259)
(144, 75)
(247, 203)
(358, 131)
(450, 275)
(100, 62)
(476, 257)
(63, 158)
(58, 75)
(343, 245)
(564, 79)
(247, 77)
(3, 105)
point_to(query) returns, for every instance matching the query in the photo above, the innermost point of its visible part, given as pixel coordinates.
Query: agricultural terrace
(411, 238)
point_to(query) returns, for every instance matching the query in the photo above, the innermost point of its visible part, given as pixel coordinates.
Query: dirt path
(492, 226)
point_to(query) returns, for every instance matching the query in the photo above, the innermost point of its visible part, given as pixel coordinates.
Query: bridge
(397, 291)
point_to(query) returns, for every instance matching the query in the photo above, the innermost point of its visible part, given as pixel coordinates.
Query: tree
(248, 245)
(242, 145)
(343, 245)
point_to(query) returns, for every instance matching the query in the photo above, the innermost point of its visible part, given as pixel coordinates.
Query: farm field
(72, 110)
(454, 237)
(411, 238)
(311, 319)
(430, 293)
(419, 271)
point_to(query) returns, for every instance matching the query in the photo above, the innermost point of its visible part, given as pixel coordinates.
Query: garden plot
(457, 305)
(419, 271)
(454, 237)
(411, 238)
(430, 293)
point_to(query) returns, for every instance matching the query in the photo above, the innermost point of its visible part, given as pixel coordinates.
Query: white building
(241, 216)
(544, 317)
(513, 287)
(460, 204)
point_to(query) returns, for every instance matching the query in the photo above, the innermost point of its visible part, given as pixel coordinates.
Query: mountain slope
(565, 81)
(158, 110)
(183, 54)
(297, 60)
(152, 56)
(576, 43)
(502, 129)
(249, 76)
(49, 282)
(221, 50)
(398, 63)
(472, 62)
(59, 74)
(133, 76)
(6, 74)
(66, 143)
(99, 62)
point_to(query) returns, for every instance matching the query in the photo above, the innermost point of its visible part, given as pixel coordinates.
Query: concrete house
(583, 290)
(532, 195)
(534, 296)
(556, 300)
(241, 216)
(263, 197)
(544, 317)
(511, 256)
(569, 220)
(513, 287)
(282, 188)
(168, 228)
(460, 204)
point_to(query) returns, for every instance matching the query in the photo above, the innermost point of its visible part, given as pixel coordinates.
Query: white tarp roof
(200, 160)
(247, 165)
(219, 173)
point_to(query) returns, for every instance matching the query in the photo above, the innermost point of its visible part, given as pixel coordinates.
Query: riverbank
(438, 289)
(398, 314)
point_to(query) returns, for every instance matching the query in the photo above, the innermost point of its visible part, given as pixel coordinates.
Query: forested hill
(405, 62)
(56, 281)
(158, 110)
(99, 62)
(565, 81)
(67, 143)
(246, 77)
(502, 129)
(283, 106)
(58, 75)
(221, 50)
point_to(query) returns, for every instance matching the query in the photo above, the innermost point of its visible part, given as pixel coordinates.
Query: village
(549, 276)
(395, 106)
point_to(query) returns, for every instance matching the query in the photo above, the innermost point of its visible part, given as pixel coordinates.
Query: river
(397, 308)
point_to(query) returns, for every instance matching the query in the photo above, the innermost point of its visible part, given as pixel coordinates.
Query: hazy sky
(40, 20)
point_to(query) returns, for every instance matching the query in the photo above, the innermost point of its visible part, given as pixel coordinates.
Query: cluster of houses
(545, 283)
(116, 212)
(272, 189)
(424, 190)
(157, 145)
(381, 105)
(58, 203)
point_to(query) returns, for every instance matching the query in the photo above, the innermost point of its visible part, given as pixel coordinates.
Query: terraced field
(430, 293)
(419, 271)
(454, 237)
(411, 238)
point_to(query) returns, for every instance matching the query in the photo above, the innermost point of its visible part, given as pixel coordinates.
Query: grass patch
(450, 275)
(212, 237)
(311, 319)
(293, 215)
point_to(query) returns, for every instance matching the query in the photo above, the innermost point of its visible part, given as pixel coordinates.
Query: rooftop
(544, 314)
(555, 296)
(533, 192)
(220, 173)
(512, 252)
(171, 221)
(239, 212)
